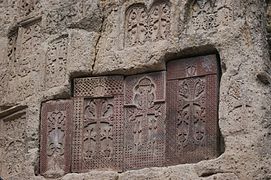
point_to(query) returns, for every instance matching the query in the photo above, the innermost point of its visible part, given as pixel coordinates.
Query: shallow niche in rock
(131, 122)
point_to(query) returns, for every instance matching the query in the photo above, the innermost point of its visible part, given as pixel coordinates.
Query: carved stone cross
(98, 139)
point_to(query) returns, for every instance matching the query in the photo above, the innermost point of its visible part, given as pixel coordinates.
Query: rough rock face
(45, 44)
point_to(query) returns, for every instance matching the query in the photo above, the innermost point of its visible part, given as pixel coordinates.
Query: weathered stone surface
(13, 144)
(144, 126)
(102, 37)
(106, 175)
(192, 96)
(82, 46)
(55, 138)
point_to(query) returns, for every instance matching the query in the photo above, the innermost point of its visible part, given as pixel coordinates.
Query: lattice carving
(144, 25)
(56, 138)
(56, 63)
(192, 133)
(98, 86)
(144, 135)
(13, 145)
(98, 132)
(208, 14)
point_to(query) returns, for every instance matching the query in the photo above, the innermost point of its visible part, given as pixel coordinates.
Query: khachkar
(192, 98)
(98, 124)
(209, 14)
(56, 62)
(12, 141)
(55, 153)
(144, 132)
(24, 53)
(144, 25)
(129, 123)
(23, 48)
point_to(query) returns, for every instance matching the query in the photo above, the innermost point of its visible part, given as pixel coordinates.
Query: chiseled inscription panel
(98, 124)
(192, 98)
(144, 130)
(56, 119)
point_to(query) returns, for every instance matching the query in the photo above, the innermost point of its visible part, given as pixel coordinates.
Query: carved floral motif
(29, 41)
(137, 25)
(159, 21)
(98, 123)
(208, 14)
(57, 20)
(24, 49)
(143, 25)
(14, 147)
(56, 133)
(98, 133)
(56, 62)
(55, 138)
(191, 115)
(192, 122)
(145, 114)
(144, 130)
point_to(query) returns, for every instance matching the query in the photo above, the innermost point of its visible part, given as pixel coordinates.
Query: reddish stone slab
(55, 151)
(102, 86)
(98, 124)
(144, 131)
(192, 119)
(192, 67)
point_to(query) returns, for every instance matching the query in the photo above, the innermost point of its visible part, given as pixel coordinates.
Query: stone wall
(45, 44)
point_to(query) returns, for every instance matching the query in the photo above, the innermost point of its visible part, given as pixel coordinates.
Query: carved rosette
(56, 119)
(192, 96)
(144, 25)
(144, 125)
